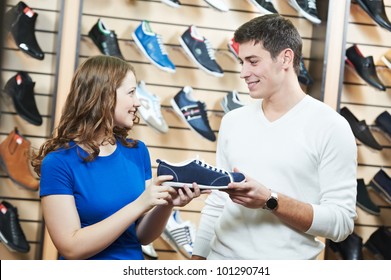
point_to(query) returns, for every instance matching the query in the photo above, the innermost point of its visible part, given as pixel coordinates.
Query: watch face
(272, 203)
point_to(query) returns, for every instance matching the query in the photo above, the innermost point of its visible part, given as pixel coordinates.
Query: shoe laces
(202, 107)
(160, 43)
(311, 4)
(182, 235)
(156, 106)
(209, 49)
(210, 167)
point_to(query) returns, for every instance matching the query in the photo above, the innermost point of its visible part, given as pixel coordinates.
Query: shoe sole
(202, 187)
(304, 13)
(9, 246)
(380, 191)
(178, 111)
(170, 3)
(386, 61)
(189, 53)
(141, 47)
(262, 9)
(367, 209)
(366, 9)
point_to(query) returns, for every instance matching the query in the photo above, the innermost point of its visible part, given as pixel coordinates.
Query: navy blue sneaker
(152, 47)
(200, 51)
(195, 170)
(383, 122)
(105, 39)
(381, 183)
(193, 112)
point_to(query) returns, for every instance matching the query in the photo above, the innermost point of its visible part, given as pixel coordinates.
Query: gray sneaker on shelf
(231, 101)
(179, 234)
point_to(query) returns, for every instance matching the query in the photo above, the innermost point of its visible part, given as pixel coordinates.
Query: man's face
(261, 73)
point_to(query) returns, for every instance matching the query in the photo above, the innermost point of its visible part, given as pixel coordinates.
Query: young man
(299, 157)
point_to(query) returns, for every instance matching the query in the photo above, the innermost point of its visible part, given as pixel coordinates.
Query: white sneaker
(180, 235)
(218, 4)
(149, 251)
(150, 108)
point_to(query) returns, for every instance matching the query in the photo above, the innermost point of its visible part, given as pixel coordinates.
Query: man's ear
(287, 56)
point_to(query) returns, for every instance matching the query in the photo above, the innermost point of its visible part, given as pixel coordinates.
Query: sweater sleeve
(335, 214)
(212, 210)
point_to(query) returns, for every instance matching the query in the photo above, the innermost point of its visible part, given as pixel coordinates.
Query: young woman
(98, 199)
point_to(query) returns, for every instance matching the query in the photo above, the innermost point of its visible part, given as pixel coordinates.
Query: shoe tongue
(147, 28)
(194, 33)
(102, 27)
(28, 12)
(3, 209)
(19, 79)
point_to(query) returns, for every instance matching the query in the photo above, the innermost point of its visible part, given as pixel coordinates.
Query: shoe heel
(333, 251)
(371, 251)
(9, 18)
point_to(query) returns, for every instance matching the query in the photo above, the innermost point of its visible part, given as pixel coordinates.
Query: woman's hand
(184, 195)
(157, 194)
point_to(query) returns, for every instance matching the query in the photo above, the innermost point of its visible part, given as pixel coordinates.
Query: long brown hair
(89, 109)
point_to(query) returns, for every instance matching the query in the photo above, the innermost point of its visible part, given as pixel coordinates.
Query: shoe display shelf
(29, 79)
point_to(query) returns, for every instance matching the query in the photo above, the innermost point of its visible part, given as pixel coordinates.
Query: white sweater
(309, 154)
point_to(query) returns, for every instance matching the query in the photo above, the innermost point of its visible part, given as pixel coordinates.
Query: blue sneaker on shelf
(150, 109)
(193, 112)
(152, 47)
(200, 51)
(195, 170)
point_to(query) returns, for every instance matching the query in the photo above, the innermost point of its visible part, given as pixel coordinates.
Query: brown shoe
(14, 160)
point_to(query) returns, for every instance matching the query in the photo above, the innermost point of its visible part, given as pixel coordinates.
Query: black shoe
(307, 8)
(375, 9)
(200, 51)
(364, 66)
(21, 88)
(383, 121)
(381, 183)
(360, 129)
(105, 39)
(349, 249)
(363, 199)
(304, 77)
(20, 21)
(379, 244)
(265, 6)
(11, 234)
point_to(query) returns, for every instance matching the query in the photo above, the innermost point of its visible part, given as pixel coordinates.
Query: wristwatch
(272, 202)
